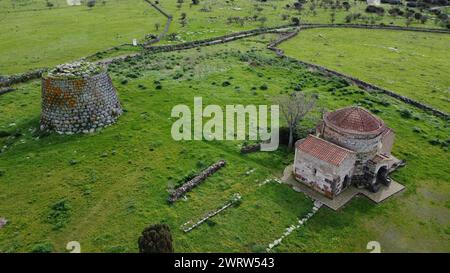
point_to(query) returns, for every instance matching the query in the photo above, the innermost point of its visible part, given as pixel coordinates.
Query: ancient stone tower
(78, 98)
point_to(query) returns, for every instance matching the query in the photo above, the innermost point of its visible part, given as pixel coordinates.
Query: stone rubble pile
(3, 222)
(301, 222)
(75, 69)
(188, 226)
(269, 180)
(188, 186)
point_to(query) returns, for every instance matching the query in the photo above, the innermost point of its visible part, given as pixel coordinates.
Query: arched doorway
(346, 182)
(382, 176)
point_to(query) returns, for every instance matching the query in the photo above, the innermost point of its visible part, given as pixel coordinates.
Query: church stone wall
(321, 176)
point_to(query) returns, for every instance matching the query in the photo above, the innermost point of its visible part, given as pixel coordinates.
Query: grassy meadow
(409, 63)
(103, 189)
(34, 35)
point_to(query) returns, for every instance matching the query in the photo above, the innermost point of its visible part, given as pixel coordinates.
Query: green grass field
(35, 36)
(409, 63)
(119, 184)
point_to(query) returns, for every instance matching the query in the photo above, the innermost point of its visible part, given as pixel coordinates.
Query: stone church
(351, 147)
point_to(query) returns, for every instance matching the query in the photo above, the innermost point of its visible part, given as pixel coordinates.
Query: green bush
(405, 113)
(156, 239)
(59, 214)
(42, 248)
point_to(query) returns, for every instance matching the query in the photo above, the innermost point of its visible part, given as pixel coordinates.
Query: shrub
(91, 3)
(417, 130)
(42, 248)
(375, 9)
(435, 142)
(59, 214)
(156, 239)
(418, 16)
(4, 134)
(264, 87)
(258, 248)
(396, 12)
(210, 222)
(405, 113)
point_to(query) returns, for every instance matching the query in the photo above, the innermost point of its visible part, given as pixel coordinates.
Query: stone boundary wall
(215, 40)
(166, 27)
(80, 105)
(371, 87)
(6, 90)
(21, 78)
(362, 84)
(244, 34)
(273, 45)
(366, 26)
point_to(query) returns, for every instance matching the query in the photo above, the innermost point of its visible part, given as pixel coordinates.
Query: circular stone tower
(78, 98)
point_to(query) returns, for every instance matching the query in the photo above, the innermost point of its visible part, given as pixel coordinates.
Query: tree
(346, 5)
(408, 22)
(156, 239)
(294, 108)
(91, 3)
(296, 21)
(333, 17)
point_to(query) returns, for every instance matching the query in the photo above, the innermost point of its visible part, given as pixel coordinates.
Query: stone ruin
(78, 98)
(194, 182)
(351, 147)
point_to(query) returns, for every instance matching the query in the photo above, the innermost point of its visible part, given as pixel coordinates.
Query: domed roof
(355, 120)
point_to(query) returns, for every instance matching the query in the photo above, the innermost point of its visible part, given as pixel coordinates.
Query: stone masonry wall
(80, 105)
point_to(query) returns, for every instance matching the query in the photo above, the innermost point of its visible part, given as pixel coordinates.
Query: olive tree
(294, 108)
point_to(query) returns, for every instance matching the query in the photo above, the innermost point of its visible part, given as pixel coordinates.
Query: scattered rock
(73, 162)
(3, 222)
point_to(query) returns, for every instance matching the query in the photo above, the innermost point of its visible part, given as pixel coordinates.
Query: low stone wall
(366, 26)
(194, 182)
(6, 90)
(273, 46)
(166, 27)
(215, 40)
(20, 78)
(371, 87)
(80, 105)
(251, 148)
(362, 84)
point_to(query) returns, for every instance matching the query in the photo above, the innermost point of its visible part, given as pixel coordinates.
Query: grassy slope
(46, 37)
(114, 197)
(412, 64)
(34, 36)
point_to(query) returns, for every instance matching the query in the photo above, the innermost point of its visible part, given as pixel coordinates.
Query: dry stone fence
(244, 34)
(166, 27)
(188, 186)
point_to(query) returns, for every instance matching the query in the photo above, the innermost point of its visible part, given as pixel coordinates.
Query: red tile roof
(324, 150)
(355, 119)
